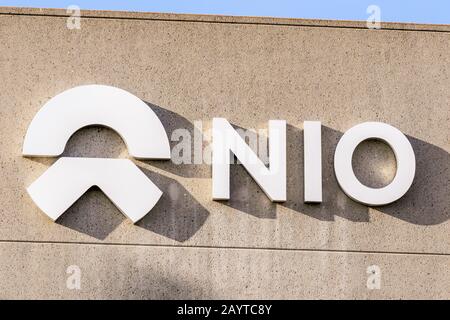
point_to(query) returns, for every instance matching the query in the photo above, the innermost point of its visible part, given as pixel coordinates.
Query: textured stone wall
(248, 70)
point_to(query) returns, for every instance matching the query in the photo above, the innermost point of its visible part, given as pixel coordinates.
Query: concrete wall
(249, 70)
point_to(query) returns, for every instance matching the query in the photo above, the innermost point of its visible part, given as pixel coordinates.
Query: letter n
(227, 141)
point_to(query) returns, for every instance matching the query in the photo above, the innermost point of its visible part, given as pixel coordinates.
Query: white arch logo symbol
(120, 179)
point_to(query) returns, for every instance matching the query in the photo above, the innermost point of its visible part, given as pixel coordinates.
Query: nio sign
(135, 194)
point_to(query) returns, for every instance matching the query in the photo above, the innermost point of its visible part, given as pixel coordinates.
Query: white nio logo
(135, 195)
(120, 179)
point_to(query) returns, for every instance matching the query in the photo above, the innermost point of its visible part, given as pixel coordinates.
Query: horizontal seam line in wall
(224, 248)
(228, 22)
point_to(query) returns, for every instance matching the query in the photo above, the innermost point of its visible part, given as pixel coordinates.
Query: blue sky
(419, 11)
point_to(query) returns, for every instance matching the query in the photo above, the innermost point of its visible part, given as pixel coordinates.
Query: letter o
(404, 155)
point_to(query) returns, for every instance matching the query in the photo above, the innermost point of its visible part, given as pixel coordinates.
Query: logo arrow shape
(120, 179)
